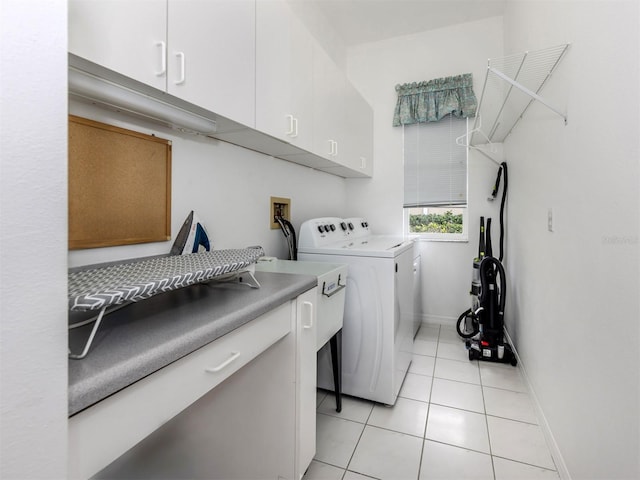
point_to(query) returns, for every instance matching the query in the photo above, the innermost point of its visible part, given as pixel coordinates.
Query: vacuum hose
(493, 300)
(503, 166)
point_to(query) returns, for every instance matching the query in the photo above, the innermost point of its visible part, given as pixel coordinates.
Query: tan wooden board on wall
(119, 186)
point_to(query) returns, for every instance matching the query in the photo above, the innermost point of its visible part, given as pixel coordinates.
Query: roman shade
(435, 167)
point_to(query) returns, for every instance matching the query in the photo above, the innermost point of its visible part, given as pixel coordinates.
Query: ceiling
(363, 21)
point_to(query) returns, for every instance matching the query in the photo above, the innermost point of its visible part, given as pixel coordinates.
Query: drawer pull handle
(233, 357)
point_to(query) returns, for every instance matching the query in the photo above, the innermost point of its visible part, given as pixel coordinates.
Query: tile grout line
(424, 432)
(526, 463)
(486, 421)
(366, 422)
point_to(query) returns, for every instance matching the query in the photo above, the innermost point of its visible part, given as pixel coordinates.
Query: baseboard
(561, 466)
(438, 319)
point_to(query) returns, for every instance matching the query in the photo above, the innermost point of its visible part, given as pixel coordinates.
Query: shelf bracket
(531, 93)
(485, 154)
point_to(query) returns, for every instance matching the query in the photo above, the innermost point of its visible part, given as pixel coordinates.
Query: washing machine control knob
(343, 225)
(332, 227)
(351, 226)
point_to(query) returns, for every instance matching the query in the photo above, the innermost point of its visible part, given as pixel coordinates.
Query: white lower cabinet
(241, 407)
(306, 376)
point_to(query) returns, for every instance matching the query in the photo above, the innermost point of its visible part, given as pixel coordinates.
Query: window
(435, 179)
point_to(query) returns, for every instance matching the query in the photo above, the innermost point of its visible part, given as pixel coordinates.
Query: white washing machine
(377, 334)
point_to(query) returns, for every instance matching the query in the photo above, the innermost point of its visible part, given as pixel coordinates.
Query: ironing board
(111, 287)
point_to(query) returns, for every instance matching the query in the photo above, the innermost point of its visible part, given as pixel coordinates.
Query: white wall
(33, 239)
(375, 69)
(229, 188)
(322, 29)
(573, 304)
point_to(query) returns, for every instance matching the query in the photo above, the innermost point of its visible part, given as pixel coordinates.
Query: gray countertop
(143, 337)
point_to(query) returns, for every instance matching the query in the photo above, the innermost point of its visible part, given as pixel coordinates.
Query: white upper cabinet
(329, 109)
(252, 63)
(211, 56)
(284, 74)
(359, 143)
(128, 37)
(200, 51)
(343, 120)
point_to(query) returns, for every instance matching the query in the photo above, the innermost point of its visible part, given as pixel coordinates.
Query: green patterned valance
(433, 100)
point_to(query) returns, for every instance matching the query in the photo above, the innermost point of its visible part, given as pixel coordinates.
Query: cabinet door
(359, 133)
(242, 429)
(328, 106)
(284, 72)
(306, 375)
(100, 434)
(211, 56)
(128, 37)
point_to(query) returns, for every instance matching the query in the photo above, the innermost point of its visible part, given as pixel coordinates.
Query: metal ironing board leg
(336, 362)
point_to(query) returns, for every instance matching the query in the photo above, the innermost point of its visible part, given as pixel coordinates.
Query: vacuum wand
(494, 194)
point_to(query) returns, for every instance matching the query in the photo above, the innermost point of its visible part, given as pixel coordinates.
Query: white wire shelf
(512, 84)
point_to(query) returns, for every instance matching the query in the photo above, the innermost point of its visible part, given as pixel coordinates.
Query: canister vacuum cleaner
(483, 323)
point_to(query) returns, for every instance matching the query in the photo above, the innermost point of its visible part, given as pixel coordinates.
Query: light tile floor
(454, 419)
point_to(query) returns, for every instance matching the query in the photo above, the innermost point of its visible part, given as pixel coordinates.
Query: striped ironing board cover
(101, 287)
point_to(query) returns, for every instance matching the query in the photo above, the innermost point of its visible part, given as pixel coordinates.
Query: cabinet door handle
(163, 58)
(295, 128)
(291, 128)
(333, 148)
(363, 163)
(181, 77)
(233, 357)
(308, 306)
